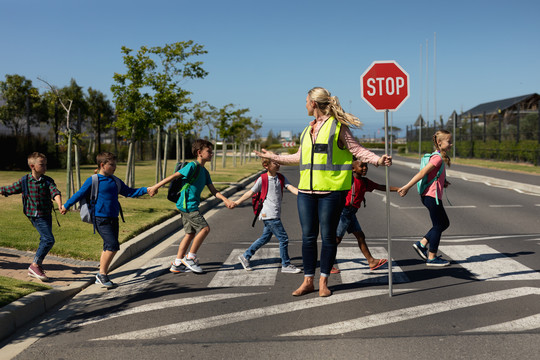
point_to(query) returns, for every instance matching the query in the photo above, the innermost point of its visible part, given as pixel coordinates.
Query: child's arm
(292, 189)
(230, 204)
(167, 180)
(382, 187)
(15, 188)
(244, 197)
(58, 200)
(416, 178)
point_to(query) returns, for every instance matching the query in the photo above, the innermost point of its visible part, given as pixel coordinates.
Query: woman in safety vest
(325, 157)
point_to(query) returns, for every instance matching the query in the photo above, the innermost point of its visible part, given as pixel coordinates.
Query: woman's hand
(385, 160)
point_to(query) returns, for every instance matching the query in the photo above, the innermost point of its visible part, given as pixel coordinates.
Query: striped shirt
(40, 193)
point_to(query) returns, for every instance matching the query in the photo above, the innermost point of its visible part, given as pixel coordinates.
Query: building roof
(493, 107)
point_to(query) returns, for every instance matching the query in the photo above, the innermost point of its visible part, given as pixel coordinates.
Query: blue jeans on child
(273, 226)
(348, 222)
(319, 210)
(439, 219)
(46, 238)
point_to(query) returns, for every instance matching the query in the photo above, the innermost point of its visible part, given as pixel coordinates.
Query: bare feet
(306, 287)
(324, 291)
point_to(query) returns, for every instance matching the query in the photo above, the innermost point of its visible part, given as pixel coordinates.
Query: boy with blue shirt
(195, 226)
(106, 209)
(271, 217)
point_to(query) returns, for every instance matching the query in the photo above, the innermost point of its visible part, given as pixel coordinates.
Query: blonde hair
(33, 157)
(436, 137)
(329, 105)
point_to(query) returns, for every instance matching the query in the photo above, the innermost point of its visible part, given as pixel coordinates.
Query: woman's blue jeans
(440, 222)
(321, 210)
(46, 238)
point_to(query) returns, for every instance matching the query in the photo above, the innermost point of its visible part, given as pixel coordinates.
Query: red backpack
(257, 199)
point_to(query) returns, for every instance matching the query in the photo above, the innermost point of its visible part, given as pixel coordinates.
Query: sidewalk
(69, 276)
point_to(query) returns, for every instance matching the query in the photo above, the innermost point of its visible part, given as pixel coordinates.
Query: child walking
(106, 209)
(195, 226)
(271, 216)
(348, 221)
(37, 207)
(442, 141)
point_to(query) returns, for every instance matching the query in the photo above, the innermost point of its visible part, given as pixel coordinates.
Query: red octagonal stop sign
(385, 85)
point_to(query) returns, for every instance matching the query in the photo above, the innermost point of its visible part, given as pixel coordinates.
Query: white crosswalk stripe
(355, 269)
(486, 263)
(265, 264)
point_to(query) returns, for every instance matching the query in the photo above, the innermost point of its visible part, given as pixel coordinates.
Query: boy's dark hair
(34, 156)
(200, 144)
(104, 158)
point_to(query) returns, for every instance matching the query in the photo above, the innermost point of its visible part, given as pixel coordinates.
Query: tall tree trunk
(183, 148)
(77, 165)
(177, 133)
(68, 163)
(98, 135)
(165, 155)
(56, 148)
(234, 153)
(158, 155)
(224, 150)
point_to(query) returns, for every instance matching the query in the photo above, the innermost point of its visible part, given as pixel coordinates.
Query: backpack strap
(436, 176)
(119, 187)
(94, 190)
(263, 192)
(194, 176)
(24, 185)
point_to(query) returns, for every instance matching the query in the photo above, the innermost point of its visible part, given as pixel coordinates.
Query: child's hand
(446, 183)
(152, 190)
(63, 210)
(402, 191)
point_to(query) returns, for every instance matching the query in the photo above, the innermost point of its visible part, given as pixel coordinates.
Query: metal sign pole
(387, 171)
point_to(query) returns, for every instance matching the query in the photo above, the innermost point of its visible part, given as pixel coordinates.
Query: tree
(149, 95)
(101, 115)
(23, 104)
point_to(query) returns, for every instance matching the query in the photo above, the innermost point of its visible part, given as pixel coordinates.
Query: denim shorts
(348, 222)
(193, 222)
(107, 227)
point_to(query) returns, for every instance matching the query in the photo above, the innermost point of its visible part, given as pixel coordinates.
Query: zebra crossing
(482, 261)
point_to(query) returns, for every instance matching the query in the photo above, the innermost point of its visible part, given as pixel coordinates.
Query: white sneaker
(245, 262)
(192, 264)
(290, 269)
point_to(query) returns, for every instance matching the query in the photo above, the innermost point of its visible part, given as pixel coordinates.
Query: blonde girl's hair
(329, 105)
(436, 137)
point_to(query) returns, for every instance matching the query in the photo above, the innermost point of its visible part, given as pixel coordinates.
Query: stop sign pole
(385, 87)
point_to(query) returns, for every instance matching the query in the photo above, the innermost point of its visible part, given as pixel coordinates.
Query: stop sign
(385, 85)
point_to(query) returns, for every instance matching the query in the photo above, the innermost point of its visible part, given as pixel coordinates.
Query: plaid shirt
(39, 195)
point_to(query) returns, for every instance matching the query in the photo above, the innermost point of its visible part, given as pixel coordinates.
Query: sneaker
(37, 272)
(245, 263)
(290, 269)
(421, 250)
(192, 264)
(179, 268)
(437, 261)
(104, 281)
(335, 270)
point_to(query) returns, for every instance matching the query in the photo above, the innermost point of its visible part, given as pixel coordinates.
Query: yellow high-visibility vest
(323, 165)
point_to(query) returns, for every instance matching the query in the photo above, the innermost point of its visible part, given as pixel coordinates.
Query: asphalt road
(484, 306)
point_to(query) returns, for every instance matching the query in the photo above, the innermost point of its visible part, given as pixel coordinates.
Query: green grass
(499, 165)
(11, 289)
(75, 239)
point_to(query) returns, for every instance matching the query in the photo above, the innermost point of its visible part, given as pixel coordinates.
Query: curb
(491, 181)
(19, 312)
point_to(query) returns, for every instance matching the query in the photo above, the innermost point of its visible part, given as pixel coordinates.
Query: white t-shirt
(272, 203)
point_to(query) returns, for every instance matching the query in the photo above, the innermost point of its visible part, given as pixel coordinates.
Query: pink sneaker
(37, 272)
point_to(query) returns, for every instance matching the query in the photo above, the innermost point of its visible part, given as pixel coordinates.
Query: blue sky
(266, 55)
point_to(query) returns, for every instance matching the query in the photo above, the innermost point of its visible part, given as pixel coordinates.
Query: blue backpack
(423, 184)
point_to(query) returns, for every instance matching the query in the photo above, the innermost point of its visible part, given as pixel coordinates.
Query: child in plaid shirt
(37, 207)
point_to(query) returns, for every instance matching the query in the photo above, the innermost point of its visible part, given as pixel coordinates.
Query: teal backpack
(423, 184)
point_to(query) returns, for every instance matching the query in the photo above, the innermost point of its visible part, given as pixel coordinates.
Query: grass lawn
(11, 289)
(75, 239)
(500, 165)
